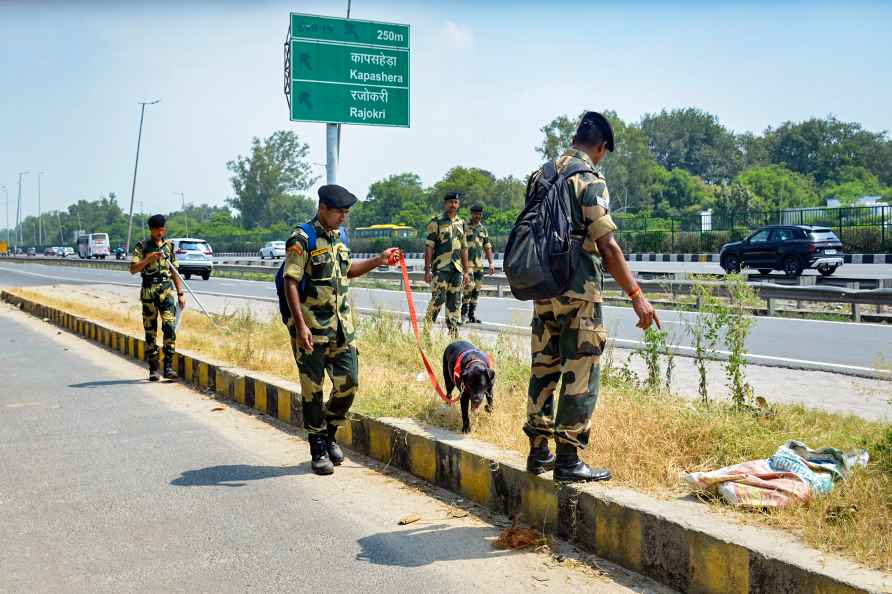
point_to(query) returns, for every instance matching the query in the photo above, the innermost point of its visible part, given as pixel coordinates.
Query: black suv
(791, 248)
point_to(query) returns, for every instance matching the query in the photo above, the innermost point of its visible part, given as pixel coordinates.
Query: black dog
(467, 368)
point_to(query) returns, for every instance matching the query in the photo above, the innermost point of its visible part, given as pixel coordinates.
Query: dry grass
(646, 439)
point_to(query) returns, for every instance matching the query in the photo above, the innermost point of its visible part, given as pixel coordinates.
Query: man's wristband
(635, 293)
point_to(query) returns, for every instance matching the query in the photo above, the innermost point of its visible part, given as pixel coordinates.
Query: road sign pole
(142, 111)
(331, 153)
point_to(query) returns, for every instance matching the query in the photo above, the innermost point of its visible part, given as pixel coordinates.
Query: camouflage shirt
(591, 218)
(478, 242)
(324, 301)
(447, 238)
(160, 268)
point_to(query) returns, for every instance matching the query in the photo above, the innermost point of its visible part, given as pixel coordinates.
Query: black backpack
(284, 310)
(542, 249)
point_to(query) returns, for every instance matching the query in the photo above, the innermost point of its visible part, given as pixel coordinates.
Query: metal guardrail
(770, 292)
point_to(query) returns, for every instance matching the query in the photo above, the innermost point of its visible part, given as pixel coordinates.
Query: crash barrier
(676, 542)
(674, 284)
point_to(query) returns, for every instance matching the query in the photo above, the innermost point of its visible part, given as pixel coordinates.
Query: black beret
(157, 221)
(335, 196)
(476, 208)
(452, 196)
(593, 119)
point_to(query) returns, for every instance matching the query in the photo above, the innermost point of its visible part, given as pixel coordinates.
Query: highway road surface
(112, 484)
(829, 345)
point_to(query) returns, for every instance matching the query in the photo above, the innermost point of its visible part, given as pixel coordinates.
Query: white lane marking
(616, 340)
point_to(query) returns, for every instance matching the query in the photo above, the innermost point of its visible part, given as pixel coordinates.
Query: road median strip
(675, 542)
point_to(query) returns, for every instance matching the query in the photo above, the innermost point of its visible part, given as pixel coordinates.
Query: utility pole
(142, 111)
(61, 237)
(142, 213)
(185, 216)
(6, 191)
(18, 214)
(39, 212)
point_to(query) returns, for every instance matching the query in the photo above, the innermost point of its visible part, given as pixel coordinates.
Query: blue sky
(485, 77)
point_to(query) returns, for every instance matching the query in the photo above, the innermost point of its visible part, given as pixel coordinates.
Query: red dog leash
(414, 320)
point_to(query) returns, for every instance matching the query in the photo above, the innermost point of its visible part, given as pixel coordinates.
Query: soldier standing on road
(446, 262)
(321, 322)
(154, 259)
(478, 244)
(568, 334)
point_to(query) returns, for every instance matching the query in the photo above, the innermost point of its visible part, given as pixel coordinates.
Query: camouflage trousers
(159, 299)
(568, 337)
(472, 291)
(341, 361)
(446, 289)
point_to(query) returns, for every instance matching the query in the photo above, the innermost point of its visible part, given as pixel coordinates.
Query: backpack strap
(310, 230)
(576, 168)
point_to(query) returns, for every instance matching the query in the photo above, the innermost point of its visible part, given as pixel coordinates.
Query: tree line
(667, 166)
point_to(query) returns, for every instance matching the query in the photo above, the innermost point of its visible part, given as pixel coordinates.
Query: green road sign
(347, 71)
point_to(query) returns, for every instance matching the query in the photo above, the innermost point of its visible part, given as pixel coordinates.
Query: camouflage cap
(335, 196)
(593, 119)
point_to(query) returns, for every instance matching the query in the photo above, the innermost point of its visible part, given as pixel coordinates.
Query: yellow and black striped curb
(674, 542)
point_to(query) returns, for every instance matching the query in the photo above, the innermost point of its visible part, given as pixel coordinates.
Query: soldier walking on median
(446, 263)
(568, 333)
(316, 272)
(154, 259)
(478, 244)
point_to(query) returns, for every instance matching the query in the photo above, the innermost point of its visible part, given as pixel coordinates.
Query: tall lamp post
(18, 212)
(185, 216)
(39, 213)
(6, 191)
(142, 111)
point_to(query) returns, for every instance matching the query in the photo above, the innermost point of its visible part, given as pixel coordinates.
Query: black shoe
(472, 315)
(169, 373)
(153, 372)
(540, 458)
(569, 468)
(334, 450)
(319, 451)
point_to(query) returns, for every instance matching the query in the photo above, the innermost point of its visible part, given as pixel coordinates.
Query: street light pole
(39, 214)
(18, 212)
(142, 111)
(185, 216)
(142, 215)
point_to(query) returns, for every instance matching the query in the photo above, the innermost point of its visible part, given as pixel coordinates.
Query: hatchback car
(273, 249)
(791, 248)
(194, 256)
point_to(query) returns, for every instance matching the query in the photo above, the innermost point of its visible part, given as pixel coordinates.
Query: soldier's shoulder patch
(296, 248)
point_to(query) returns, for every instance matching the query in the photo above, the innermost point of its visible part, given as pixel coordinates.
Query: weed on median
(646, 437)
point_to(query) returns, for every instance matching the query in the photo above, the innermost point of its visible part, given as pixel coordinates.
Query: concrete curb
(677, 542)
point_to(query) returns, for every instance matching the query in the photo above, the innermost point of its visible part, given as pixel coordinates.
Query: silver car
(194, 256)
(272, 250)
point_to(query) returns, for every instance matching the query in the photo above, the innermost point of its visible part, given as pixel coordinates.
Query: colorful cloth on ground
(792, 475)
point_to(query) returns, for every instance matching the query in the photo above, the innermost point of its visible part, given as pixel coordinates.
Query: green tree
(778, 187)
(736, 198)
(852, 183)
(693, 140)
(277, 165)
(476, 186)
(823, 148)
(387, 198)
(677, 192)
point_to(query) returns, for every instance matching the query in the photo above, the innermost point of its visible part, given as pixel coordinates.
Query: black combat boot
(569, 468)
(153, 371)
(334, 450)
(540, 458)
(319, 451)
(472, 314)
(464, 314)
(169, 373)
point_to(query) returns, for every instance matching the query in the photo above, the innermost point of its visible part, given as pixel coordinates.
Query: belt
(148, 281)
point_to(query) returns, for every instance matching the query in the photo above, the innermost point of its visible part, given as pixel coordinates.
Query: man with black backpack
(315, 276)
(556, 255)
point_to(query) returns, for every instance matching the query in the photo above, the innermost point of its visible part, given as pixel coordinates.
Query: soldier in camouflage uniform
(568, 333)
(154, 259)
(321, 322)
(446, 262)
(478, 245)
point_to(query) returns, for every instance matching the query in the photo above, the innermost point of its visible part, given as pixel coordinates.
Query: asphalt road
(831, 345)
(113, 484)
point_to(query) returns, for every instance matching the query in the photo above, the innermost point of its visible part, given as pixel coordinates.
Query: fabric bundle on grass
(792, 475)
